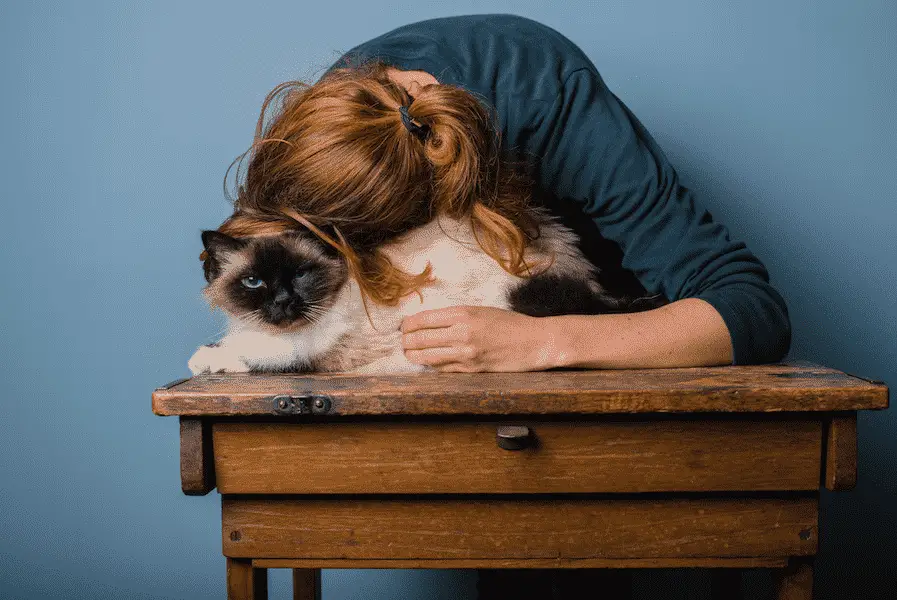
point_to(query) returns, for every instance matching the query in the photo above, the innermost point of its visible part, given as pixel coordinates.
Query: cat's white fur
(463, 274)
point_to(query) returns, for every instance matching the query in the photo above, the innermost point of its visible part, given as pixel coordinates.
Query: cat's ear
(216, 242)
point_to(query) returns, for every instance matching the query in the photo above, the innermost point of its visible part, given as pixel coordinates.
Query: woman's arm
(685, 333)
(593, 150)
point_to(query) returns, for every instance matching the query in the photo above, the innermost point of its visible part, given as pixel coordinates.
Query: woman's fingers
(430, 338)
(441, 338)
(436, 317)
(435, 357)
(478, 338)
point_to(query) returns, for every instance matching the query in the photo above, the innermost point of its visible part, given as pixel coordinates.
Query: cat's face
(277, 283)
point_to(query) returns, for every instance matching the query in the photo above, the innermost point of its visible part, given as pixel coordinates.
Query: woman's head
(338, 153)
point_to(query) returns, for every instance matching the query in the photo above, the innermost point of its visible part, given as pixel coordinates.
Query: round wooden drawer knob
(513, 437)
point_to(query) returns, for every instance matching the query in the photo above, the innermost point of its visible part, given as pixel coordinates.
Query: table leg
(795, 582)
(725, 584)
(306, 584)
(245, 582)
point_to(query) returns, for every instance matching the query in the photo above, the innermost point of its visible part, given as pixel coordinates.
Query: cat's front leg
(216, 359)
(394, 364)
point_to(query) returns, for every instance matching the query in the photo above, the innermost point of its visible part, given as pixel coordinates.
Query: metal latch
(315, 404)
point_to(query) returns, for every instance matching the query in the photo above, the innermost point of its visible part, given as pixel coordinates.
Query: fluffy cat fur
(308, 314)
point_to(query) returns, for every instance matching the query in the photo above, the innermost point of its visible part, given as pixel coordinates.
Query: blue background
(118, 119)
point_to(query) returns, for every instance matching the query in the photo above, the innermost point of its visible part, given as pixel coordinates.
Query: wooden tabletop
(792, 386)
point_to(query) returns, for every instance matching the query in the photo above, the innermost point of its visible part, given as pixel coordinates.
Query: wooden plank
(306, 583)
(173, 383)
(780, 387)
(246, 581)
(523, 563)
(841, 453)
(560, 527)
(569, 456)
(197, 464)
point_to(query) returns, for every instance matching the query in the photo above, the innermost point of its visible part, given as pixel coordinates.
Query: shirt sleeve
(596, 152)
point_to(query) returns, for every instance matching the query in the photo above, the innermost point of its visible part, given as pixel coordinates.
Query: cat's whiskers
(225, 326)
(315, 310)
(253, 317)
(311, 315)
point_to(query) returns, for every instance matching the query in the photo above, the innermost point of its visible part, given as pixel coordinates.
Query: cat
(292, 306)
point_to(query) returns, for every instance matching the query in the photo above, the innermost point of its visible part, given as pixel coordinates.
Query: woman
(400, 130)
(340, 153)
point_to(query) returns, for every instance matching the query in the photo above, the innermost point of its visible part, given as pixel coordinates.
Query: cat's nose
(281, 297)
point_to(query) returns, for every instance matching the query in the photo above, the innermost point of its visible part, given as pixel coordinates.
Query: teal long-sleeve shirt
(553, 106)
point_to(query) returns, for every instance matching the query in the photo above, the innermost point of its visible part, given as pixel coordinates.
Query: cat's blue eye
(252, 282)
(300, 274)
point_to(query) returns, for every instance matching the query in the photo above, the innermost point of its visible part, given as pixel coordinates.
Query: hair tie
(419, 130)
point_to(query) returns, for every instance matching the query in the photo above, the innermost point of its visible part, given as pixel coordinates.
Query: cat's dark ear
(216, 242)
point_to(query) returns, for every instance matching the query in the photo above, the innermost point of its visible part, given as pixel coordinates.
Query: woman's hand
(685, 333)
(470, 339)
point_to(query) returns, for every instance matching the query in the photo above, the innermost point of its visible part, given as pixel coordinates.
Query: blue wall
(118, 119)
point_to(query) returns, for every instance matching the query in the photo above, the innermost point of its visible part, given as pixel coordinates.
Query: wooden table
(700, 467)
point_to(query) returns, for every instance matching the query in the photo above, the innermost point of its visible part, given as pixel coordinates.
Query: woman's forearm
(685, 333)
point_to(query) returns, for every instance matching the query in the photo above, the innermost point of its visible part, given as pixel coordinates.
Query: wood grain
(535, 528)
(197, 466)
(245, 581)
(779, 387)
(521, 563)
(841, 453)
(570, 456)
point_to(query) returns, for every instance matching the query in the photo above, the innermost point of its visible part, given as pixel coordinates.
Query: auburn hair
(336, 155)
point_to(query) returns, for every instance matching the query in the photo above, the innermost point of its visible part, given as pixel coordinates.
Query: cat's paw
(215, 359)
(391, 365)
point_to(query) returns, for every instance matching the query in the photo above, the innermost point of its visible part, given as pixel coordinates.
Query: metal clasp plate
(313, 404)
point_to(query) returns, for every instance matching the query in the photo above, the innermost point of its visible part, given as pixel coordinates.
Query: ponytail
(472, 178)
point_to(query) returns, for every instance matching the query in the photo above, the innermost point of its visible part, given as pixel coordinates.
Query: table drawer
(422, 457)
(559, 528)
